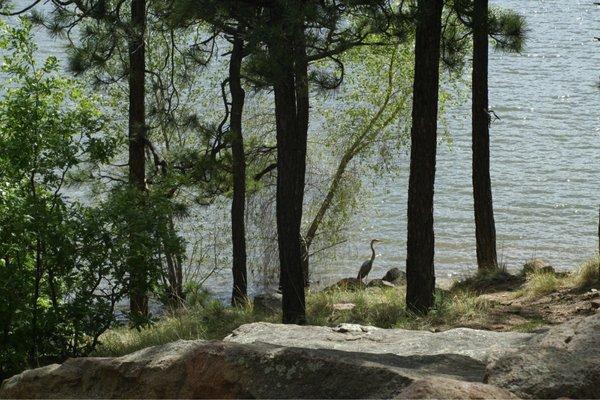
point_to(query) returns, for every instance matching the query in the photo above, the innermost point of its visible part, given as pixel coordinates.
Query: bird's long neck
(372, 252)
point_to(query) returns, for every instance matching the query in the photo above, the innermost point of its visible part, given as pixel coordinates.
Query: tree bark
(290, 78)
(420, 274)
(238, 235)
(485, 229)
(137, 130)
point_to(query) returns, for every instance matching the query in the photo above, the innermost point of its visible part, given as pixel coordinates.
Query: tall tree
(420, 274)
(238, 229)
(485, 228)
(507, 30)
(287, 48)
(138, 297)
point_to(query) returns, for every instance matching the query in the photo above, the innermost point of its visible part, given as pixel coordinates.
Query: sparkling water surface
(545, 159)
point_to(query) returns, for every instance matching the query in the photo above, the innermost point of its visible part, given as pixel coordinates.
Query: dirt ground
(523, 313)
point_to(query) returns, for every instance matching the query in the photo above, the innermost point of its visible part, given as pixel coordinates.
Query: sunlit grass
(381, 307)
(540, 284)
(206, 318)
(211, 320)
(588, 274)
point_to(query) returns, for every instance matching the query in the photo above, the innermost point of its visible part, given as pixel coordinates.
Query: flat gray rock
(562, 362)
(483, 346)
(199, 369)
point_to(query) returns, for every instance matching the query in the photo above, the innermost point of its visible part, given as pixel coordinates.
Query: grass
(588, 275)
(381, 307)
(540, 284)
(532, 324)
(488, 279)
(209, 321)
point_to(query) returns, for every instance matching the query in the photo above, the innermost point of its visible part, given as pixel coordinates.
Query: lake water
(545, 159)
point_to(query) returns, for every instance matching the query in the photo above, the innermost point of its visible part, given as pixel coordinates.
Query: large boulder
(395, 276)
(267, 302)
(480, 346)
(562, 362)
(199, 369)
(442, 388)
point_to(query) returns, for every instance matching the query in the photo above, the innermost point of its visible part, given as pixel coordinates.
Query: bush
(55, 257)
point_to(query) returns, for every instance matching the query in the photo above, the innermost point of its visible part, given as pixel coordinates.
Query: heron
(365, 268)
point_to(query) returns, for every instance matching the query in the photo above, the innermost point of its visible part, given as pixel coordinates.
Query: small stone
(343, 306)
(380, 283)
(354, 328)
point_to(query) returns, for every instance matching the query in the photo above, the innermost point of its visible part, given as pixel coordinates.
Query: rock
(343, 306)
(268, 302)
(564, 361)
(380, 283)
(350, 284)
(200, 369)
(354, 328)
(537, 265)
(395, 276)
(481, 346)
(441, 388)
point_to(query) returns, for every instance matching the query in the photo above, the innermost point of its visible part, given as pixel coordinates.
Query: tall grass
(381, 307)
(588, 274)
(540, 283)
(210, 321)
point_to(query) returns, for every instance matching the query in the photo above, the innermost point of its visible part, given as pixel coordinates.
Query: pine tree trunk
(485, 230)
(137, 126)
(288, 54)
(238, 236)
(420, 242)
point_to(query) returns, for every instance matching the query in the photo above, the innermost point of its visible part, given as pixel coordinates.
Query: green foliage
(57, 256)
(508, 29)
